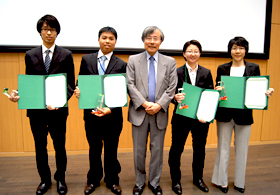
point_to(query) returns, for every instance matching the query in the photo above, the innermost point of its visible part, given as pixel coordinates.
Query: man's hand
(77, 92)
(14, 96)
(153, 108)
(49, 107)
(102, 112)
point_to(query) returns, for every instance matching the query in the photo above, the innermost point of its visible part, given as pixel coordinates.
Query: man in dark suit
(199, 76)
(44, 60)
(151, 81)
(104, 126)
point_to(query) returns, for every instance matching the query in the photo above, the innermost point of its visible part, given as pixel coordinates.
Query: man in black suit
(104, 126)
(199, 76)
(51, 120)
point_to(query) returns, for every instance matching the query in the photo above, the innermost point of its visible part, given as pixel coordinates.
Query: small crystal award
(182, 105)
(223, 95)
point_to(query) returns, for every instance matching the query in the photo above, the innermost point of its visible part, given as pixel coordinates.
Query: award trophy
(182, 105)
(223, 95)
(99, 104)
(5, 92)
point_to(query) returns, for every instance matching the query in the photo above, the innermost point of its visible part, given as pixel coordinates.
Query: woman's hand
(269, 92)
(179, 97)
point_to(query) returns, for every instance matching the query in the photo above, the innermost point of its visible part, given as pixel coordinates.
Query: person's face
(192, 54)
(48, 35)
(238, 53)
(152, 42)
(107, 42)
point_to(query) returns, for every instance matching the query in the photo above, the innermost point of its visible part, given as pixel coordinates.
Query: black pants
(103, 131)
(180, 131)
(55, 124)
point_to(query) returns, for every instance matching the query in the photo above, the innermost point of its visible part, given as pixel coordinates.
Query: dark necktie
(47, 61)
(102, 65)
(152, 80)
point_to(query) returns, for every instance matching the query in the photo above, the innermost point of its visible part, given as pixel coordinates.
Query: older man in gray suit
(151, 80)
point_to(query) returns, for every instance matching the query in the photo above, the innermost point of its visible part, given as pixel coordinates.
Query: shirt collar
(190, 69)
(155, 56)
(44, 48)
(109, 55)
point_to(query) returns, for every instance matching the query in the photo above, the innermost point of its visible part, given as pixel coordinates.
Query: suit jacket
(89, 66)
(240, 116)
(137, 83)
(203, 80)
(62, 62)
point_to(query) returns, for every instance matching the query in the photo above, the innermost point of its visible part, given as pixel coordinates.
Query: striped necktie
(47, 61)
(102, 65)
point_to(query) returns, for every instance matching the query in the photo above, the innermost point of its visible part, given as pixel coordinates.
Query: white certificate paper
(115, 91)
(56, 95)
(208, 105)
(255, 97)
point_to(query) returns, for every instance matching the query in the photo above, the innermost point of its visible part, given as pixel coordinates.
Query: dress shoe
(61, 187)
(201, 185)
(156, 190)
(116, 189)
(90, 188)
(138, 190)
(177, 188)
(241, 190)
(43, 187)
(223, 189)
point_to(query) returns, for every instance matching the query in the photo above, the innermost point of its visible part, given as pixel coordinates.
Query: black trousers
(103, 131)
(180, 131)
(54, 123)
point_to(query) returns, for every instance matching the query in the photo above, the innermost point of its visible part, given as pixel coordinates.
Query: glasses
(238, 48)
(156, 39)
(193, 52)
(48, 29)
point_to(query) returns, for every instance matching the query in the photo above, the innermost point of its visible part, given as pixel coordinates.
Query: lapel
(248, 68)
(39, 55)
(161, 69)
(113, 61)
(198, 75)
(55, 57)
(93, 63)
(143, 71)
(186, 73)
(227, 68)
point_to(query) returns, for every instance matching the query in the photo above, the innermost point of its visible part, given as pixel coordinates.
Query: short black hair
(192, 42)
(108, 29)
(150, 30)
(239, 41)
(50, 21)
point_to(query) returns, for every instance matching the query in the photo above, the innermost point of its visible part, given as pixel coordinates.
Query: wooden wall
(16, 136)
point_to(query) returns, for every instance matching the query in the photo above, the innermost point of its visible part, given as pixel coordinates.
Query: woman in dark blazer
(199, 76)
(229, 119)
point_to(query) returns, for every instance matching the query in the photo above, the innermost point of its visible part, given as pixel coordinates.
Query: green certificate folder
(201, 103)
(38, 91)
(245, 92)
(112, 86)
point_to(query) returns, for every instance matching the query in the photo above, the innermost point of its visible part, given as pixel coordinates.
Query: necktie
(152, 80)
(47, 61)
(102, 65)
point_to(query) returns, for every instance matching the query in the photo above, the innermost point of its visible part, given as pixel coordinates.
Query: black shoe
(138, 190)
(90, 188)
(116, 189)
(61, 187)
(201, 185)
(43, 187)
(156, 190)
(223, 189)
(177, 188)
(241, 190)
